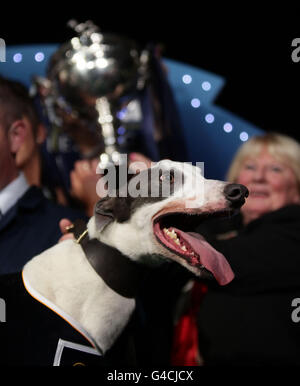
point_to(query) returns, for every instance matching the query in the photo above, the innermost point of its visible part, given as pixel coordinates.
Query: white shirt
(12, 193)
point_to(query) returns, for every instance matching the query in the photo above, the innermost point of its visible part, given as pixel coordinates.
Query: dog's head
(158, 223)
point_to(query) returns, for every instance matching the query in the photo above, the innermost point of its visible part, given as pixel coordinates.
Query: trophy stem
(105, 119)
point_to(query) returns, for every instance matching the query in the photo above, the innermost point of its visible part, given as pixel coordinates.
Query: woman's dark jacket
(255, 320)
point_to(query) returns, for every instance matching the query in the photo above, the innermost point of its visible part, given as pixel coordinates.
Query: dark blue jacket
(30, 227)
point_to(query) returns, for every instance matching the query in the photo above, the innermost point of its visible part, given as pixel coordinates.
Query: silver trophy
(91, 79)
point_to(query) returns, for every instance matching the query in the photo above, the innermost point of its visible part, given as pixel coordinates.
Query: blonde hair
(281, 147)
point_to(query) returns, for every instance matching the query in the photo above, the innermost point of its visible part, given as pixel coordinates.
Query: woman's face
(271, 184)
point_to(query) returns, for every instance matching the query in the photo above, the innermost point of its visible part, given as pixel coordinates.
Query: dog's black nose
(236, 194)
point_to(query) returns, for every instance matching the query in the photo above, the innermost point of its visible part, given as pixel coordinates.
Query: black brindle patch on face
(160, 184)
(157, 185)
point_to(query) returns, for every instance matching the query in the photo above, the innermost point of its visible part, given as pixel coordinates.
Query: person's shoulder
(291, 209)
(289, 214)
(63, 211)
(35, 200)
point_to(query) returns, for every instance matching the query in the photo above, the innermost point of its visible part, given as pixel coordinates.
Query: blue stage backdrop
(212, 134)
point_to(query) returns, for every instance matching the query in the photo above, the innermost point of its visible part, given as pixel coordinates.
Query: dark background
(250, 47)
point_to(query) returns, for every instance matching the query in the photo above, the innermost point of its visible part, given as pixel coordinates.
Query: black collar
(119, 272)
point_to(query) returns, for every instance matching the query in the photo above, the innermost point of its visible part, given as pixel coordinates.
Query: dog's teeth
(192, 253)
(183, 248)
(171, 233)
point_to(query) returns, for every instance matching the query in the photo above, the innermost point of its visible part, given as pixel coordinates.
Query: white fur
(63, 275)
(135, 238)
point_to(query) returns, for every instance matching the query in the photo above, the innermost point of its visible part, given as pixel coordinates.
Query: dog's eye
(167, 177)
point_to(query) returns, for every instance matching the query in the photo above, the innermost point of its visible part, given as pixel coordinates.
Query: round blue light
(121, 130)
(17, 58)
(209, 118)
(206, 86)
(121, 140)
(228, 127)
(244, 136)
(39, 56)
(122, 113)
(195, 102)
(187, 79)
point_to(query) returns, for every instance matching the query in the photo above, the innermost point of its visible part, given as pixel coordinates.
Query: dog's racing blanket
(33, 334)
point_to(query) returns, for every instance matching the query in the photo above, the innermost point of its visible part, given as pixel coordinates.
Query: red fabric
(185, 345)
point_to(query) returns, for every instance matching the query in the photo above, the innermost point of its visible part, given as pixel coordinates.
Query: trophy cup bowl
(87, 77)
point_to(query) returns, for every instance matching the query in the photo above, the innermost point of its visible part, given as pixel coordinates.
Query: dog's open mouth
(175, 231)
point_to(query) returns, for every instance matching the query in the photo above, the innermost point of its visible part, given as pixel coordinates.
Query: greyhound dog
(91, 282)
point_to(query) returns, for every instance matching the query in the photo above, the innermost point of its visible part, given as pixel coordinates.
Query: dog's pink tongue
(212, 260)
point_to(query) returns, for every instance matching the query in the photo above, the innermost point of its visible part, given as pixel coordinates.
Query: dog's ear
(104, 213)
(110, 209)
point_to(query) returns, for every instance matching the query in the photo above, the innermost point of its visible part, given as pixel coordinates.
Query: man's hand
(140, 159)
(64, 224)
(84, 179)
